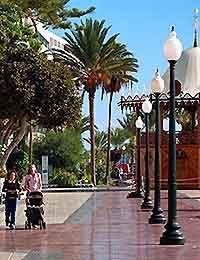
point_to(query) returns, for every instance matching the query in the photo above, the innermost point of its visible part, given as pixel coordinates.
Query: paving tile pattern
(108, 227)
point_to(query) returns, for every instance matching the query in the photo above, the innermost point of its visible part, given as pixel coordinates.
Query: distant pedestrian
(11, 187)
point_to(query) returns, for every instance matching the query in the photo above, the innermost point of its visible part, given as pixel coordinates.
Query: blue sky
(143, 27)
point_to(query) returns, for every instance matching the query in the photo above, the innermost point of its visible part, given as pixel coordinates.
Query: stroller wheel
(40, 224)
(44, 225)
(27, 225)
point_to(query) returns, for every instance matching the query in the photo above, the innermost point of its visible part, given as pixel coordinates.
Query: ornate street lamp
(123, 149)
(139, 193)
(157, 217)
(147, 203)
(173, 234)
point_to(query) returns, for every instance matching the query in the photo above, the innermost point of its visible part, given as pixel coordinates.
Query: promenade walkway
(107, 226)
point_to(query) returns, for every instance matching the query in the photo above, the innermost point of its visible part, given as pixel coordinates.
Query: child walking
(12, 188)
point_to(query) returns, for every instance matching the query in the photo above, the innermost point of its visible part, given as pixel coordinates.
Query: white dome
(187, 72)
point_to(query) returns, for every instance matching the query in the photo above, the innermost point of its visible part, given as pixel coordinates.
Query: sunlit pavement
(107, 226)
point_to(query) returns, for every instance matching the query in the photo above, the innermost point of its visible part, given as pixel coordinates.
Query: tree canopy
(31, 86)
(15, 35)
(50, 12)
(64, 149)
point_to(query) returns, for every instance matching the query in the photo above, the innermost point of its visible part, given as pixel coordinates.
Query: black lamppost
(173, 234)
(138, 193)
(147, 203)
(124, 149)
(157, 216)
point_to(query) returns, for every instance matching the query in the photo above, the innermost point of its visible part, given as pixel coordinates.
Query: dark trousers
(10, 205)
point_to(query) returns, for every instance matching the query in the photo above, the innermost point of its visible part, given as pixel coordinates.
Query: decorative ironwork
(183, 100)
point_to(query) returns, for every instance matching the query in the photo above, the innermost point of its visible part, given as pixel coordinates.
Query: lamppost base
(135, 194)
(157, 217)
(147, 203)
(172, 235)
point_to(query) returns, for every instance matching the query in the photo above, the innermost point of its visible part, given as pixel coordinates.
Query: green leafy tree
(50, 12)
(31, 87)
(18, 160)
(85, 175)
(101, 167)
(14, 35)
(64, 149)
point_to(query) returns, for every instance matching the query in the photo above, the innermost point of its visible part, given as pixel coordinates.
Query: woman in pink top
(33, 181)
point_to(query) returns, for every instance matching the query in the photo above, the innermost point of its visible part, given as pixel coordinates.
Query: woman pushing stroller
(33, 181)
(34, 199)
(11, 187)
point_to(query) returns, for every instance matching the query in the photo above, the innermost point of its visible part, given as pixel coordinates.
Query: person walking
(33, 181)
(11, 187)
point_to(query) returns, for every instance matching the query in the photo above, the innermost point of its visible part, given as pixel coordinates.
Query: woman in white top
(33, 181)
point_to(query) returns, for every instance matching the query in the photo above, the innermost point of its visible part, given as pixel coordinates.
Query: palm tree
(118, 79)
(84, 125)
(100, 141)
(118, 137)
(128, 124)
(90, 50)
(100, 154)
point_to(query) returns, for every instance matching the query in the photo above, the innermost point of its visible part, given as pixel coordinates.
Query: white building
(187, 67)
(50, 39)
(53, 40)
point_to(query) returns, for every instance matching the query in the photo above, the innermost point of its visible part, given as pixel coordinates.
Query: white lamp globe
(157, 83)
(139, 123)
(124, 148)
(147, 106)
(172, 47)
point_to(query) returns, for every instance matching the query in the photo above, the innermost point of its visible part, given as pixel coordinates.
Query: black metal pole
(139, 192)
(147, 203)
(173, 234)
(157, 216)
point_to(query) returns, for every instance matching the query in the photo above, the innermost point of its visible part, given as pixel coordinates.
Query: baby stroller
(35, 210)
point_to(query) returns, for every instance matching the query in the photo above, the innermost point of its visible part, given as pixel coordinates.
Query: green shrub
(62, 178)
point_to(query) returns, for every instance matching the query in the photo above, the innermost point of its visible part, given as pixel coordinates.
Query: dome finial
(196, 27)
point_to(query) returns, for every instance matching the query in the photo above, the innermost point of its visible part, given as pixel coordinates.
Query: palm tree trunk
(109, 138)
(92, 163)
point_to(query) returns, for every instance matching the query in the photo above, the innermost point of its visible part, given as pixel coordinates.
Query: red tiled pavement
(110, 228)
